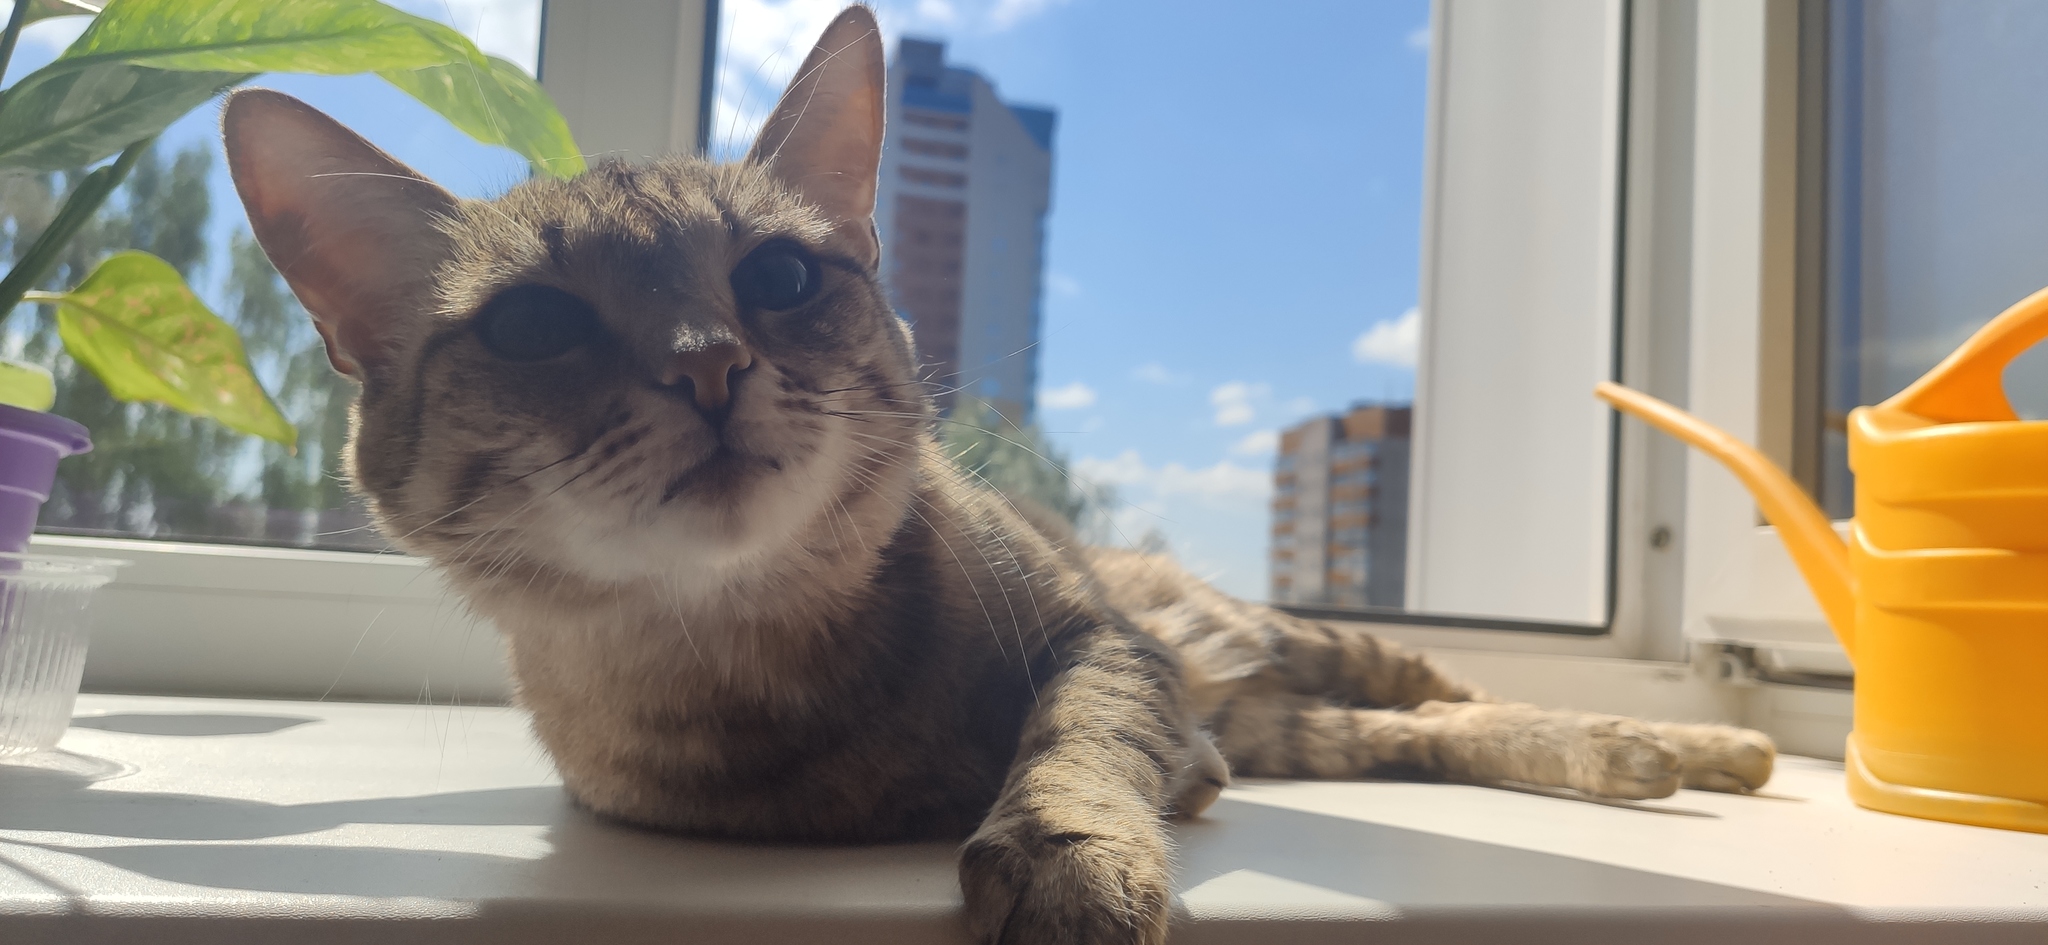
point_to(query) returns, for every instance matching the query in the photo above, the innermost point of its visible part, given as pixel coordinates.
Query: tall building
(966, 183)
(1340, 509)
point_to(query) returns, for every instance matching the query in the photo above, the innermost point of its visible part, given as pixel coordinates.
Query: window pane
(158, 473)
(1172, 245)
(1937, 204)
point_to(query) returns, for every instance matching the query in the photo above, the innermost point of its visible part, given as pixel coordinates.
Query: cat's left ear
(824, 140)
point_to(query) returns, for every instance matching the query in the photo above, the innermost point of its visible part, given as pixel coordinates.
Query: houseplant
(132, 321)
(141, 65)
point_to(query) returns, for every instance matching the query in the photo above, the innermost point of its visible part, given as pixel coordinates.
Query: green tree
(1020, 462)
(156, 471)
(153, 470)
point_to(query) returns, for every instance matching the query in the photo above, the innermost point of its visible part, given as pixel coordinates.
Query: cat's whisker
(1030, 593)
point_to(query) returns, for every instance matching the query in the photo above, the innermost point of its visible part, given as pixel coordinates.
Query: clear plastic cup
(43, 628)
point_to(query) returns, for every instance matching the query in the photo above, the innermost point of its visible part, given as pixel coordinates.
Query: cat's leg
(1251, 648)
(1476, 742)
(1075, 849)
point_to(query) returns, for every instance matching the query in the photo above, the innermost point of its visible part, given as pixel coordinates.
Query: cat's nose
(709, 370)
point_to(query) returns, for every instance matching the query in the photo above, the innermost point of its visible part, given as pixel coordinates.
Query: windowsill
(380, 823)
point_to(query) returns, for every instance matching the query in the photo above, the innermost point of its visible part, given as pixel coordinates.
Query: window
(1934, 215)
(209, 618)
(1879, 153)
(1158, 250)
(156, 473)
(1343, 365)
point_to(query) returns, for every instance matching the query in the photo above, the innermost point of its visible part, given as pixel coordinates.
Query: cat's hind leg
(1291, 736)
(1719, 757)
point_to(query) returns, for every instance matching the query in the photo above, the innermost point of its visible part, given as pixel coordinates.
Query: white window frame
(262, 621)
(1711, 217)
(632, 78)
(1643, 193)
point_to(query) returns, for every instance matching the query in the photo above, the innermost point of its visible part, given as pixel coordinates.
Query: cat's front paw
(1619, 757)
(1721, 757)
(1028, 882)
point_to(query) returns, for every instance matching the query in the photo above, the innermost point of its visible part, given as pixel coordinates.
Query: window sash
(194, 618)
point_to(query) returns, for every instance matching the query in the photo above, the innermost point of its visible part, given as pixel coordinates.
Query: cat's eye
(777, 277)
(534, 323)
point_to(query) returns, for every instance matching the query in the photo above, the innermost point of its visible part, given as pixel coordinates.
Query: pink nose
(709, 370)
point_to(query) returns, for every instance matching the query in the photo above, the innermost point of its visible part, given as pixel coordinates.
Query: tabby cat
(661, 425)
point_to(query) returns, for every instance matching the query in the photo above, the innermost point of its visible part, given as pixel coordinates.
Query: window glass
(1937, 209)
(157, 473)
(1172, 246)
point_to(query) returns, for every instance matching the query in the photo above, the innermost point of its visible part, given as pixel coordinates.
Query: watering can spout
(1821, 555)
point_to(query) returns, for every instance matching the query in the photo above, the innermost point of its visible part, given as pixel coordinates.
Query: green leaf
(502, 106)
(230, 40)
(136, 325)
(322, 37)
(56, 119)
(26, 385)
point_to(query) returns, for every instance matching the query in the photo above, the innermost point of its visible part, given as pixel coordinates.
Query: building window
(938, 149)
(942, 122)
(932, 178)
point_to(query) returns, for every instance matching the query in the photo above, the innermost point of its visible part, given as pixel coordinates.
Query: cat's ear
(824, 140)
(353, 231)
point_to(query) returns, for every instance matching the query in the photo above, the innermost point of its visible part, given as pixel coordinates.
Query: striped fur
(801, 622)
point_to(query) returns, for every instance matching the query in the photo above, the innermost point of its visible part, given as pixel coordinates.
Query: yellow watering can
(1940, 596)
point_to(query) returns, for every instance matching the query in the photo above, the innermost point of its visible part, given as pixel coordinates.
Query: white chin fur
(692, 546)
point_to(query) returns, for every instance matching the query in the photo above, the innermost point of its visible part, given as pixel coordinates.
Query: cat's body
(661, 426)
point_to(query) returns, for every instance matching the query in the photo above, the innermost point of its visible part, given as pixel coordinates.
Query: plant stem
(84, 201)
(13, 34)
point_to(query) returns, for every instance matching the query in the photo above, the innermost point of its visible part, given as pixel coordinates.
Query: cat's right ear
(353, 231)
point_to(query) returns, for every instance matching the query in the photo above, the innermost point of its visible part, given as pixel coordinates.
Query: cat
(661, 425)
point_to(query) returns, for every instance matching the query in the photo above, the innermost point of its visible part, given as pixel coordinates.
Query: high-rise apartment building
(1340, 509)
(966, 183)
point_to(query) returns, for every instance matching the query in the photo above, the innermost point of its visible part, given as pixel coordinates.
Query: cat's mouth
(724, 471)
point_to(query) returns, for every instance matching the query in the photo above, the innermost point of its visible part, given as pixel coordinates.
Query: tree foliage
(156, 471)
(1020, 462)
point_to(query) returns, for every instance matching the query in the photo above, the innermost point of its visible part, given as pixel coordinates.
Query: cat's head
(674, 369)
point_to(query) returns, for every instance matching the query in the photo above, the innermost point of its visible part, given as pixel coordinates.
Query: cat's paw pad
(1624, 758)
(1026, 883)
(1722, 758)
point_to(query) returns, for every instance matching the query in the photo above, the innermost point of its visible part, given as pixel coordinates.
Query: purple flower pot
(31, 443)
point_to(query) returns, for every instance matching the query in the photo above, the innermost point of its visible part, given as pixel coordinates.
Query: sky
(1233, 242)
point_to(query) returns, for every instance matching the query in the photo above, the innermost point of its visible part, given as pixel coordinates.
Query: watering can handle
(1969, 384)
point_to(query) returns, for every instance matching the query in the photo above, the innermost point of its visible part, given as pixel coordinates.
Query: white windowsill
(384, 823)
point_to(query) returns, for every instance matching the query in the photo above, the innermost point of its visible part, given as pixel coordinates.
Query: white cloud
(1221, 482)
(1062, 285)
(1214, 519)
(1233, 402)
(508, 29)
(1256, 443)
(1008, 13)
(1418, 38)
(1152, 372)
(1395, 341)
(54, 34)
(761, 42)
(1074, 396)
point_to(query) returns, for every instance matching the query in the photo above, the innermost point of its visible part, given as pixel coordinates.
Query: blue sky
(1234, 235)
